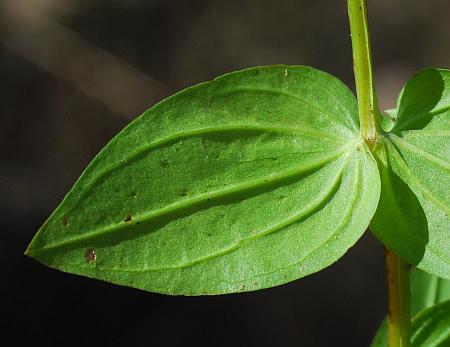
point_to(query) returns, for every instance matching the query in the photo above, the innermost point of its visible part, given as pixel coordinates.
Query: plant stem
(399, 316)
(369, 112)
(369, 116)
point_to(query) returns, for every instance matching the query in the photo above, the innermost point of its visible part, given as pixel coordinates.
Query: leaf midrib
(204, 197)
(325, 196)
(298, 216)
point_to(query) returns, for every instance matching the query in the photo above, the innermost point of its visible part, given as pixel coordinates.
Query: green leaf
(252, 180)
(431, 328)
(388, 119)
(381, 336)
(426, 291)
(413, 216)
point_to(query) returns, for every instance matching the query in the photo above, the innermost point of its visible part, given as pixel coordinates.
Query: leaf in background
(413, 216)
(252, 180)
(381, 336)
(426, 291)
(431, 327)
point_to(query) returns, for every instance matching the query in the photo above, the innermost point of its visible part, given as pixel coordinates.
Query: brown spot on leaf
(90, 255)
(65, 222)
(128, 218)
(164, 163)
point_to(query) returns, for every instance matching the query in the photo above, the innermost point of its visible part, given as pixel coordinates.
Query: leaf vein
(419, 151)
(222, 192)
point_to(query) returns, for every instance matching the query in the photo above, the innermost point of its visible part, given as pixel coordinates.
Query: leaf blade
(219, 189)
(413, 215)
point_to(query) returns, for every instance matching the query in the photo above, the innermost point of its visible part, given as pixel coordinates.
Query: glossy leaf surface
(249, 181)
(426, 291)
(413, 217)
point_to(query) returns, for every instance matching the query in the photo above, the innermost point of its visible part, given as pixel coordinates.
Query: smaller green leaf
(426, 291)
(413, 215)
(424, 102)
(431, 328)
(388, 119)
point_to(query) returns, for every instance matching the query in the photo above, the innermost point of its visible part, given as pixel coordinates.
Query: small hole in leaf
(90, 255)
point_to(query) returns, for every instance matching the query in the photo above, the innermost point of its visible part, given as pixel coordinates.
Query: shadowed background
(73, 73)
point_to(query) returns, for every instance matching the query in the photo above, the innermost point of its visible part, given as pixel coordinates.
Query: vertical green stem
(369, 113)
(398, 302)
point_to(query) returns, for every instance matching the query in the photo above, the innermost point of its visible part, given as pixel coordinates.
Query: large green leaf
(413, 216)
(252, 180)
(426, 291)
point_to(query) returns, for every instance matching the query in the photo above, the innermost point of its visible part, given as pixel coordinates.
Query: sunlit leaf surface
(413, 217)
(252, 180)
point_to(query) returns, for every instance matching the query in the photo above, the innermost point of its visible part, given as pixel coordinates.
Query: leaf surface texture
(249, 181)
(413, 217)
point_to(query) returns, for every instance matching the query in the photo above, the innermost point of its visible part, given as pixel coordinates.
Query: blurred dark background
(74, 72)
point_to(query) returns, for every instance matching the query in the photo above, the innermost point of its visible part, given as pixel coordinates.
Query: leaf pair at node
(255, 179)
